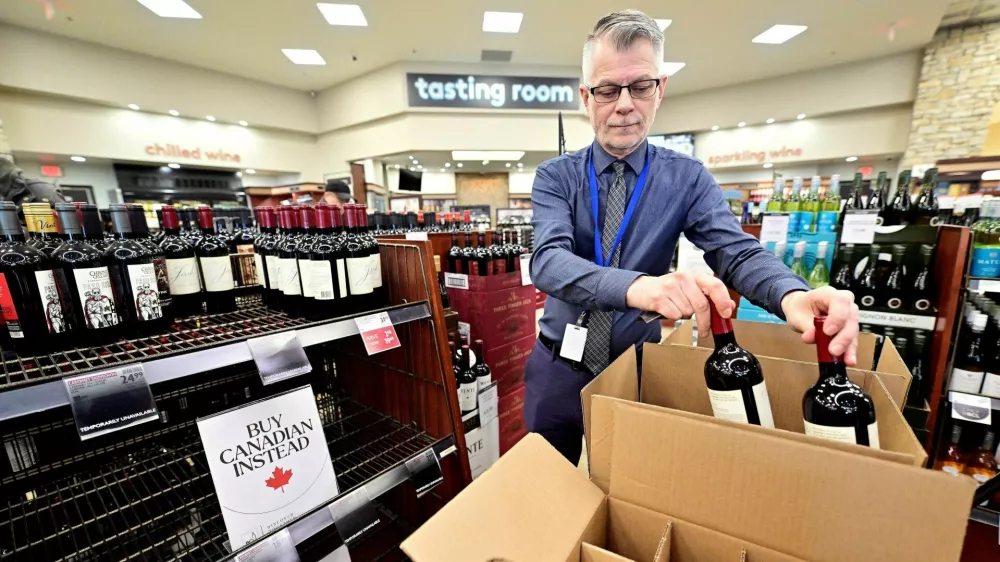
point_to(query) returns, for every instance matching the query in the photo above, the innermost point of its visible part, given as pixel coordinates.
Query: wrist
(788, 301)
(634, 296)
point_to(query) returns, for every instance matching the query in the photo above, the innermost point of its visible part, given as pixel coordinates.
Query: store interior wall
(99, 176)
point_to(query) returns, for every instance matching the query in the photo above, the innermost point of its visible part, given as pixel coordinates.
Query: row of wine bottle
(888, 284)
(472, 374)
(833, 408)
(502, 256)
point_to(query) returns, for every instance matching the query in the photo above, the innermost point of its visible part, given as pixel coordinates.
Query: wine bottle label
(273, 271)
(182, 276)
(499, 267)
(376, 271)
(842, 434)
(218, 273)
(991, 385)
(290, 284)
(826, 221)
(922, 305)
(305, 274)
(763, 405)
(873, 441)
(97, 298)
(342, 277)
(48, 291)
(359, 271)
(321, 280)
(142, 278)
(258, 265)
(806, 221)
(9, 312)
(483, 381)
(895, 302)
(467, 397)
(966, 381)
(793, 221)
(729, 405)
(162, 280)
(244, 266)
(985, 262)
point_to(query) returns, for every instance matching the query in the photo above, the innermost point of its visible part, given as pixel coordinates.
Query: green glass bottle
(793, 205)
(799, 259)
(810, 206)
(820, 274)
(827, 219)
(777, 196)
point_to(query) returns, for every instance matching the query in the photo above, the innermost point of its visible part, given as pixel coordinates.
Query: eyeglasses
(638, 90)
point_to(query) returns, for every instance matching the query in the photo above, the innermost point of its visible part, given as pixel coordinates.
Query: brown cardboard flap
(596, 532)
(694, 543)
(531, 493)
(619, 380)
(805, 500)
(673, 377)
(638, 533)
(591, 553)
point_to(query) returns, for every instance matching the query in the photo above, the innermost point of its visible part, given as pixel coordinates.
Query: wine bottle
(140, 233)
(265, 249)
(212, 249)
(798, 260)
(925, 208)
(467, 385)
(455, 255)
(33, 291)
(879, 193)
(380, 294)
(498, 254)
(895, 284)
(92, 300)
(867, 285)
(734, 378)
(951, 459)
(982, 466)
(923, 283)
(918, 370)
(134, 276)
(248, 267)
(517, 250)
(482, 259)
(291, 284)
(442, 290)
(793, 205)
(781, 250)
(835, 408)
(41, 223)
(819, 276)
(183, 277)
(484, 377)
(358, 262)
(810, 207)
(468, 253)
(93, 226)
(843, 275)
(307, 218)
(828, 217)
(322, 265)
(901, 202)
(968, 372)
(777, 202)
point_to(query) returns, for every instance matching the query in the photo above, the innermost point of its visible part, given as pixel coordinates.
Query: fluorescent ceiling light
(664, 24)
(485, 162)
(304, 56)
(171, 9)
(502, 22)
(770, 120)
(741, 124)
(778, 34)
(671, 68)
(174, 112)
(244, 123)
(768, 165)
(250, 171)
(133, 107)
(210, 118)
(502, 155)
(715, 127)
(851, 159)
(78, 158)
(343, 14)
(800, 116)
(173, 166)
(460, 164)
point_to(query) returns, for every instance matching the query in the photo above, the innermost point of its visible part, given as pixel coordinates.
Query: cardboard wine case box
(499, 317)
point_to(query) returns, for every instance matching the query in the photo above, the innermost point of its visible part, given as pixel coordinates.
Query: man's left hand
(800, 307)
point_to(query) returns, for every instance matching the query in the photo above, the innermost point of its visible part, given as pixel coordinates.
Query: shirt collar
(603, 160)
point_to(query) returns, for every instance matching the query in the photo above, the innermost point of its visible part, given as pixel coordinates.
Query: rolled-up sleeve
(556, 270)
(735, 256)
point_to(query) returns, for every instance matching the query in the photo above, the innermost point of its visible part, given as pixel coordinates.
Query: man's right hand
(681, 295)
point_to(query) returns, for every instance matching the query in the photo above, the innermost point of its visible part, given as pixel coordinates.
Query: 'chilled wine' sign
(269, 463)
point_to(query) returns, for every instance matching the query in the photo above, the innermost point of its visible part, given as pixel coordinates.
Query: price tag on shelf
(972, 408)
(106, 401)
(859, 227)
(353, 514)
(279, 356)
(488, 410)
(425, 471)
(276, 548)
(456, 281)
(377, 332)
(525, 269)
(774, 228)
(416, 236)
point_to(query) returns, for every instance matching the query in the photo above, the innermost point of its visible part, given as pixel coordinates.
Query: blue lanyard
(640, 183)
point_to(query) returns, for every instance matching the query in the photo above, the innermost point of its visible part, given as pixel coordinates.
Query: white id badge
(573, 342)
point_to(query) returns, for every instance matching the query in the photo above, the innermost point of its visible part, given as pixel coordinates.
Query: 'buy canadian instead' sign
(269, 462)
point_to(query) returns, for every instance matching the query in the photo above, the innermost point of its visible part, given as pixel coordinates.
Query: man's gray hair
(622, 29)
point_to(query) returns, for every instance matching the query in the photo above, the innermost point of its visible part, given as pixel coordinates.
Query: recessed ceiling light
(447, 164)
(78, 158)
(508, 164)
(398, 166)
(520, 165)
(165, 169)
(485, 162)
(411, 157)
(503, 155)
(343, 14)
(671, 68)
(420, 167)
(800, 116)
(741, 124)
(502, 22)
(415, 162)
(412, 169)
(780, 33)
(174, 112)
(459, 164)
(239, 174)
(243, 123)
(664, 24)
(173, 166)
(210, 117)
(851, 159)
(171, 9)
(442, 169)
(304, 56)
(133, 107)
(715, 127)
(770, 120)
(250, 171)
(768, 165)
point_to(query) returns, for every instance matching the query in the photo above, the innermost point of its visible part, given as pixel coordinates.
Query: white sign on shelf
(106, 401)
(269, 463)
(525, 269)
(895, 320)
(859, 227)
(279, 356)
(277, 548)
(488, 402)
(377, 332)
(985, 285)
(416, 236)
(456, 281)
(971, 407)
(774, 228)
(483, 446)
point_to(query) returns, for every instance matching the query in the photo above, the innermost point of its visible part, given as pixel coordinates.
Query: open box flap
(619, 380)
(529, 506)
(813, 502)
(591, 553)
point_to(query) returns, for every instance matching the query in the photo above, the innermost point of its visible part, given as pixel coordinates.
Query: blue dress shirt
(680, 196)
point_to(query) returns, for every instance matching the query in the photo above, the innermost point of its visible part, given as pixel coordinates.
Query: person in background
(18, 189)
(337, 193)
(606, 221)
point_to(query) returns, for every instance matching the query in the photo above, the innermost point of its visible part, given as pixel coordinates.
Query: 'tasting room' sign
(492, 92)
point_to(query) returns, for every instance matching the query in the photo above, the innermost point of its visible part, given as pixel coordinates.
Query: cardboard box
(492, 283)
(507, 363)
(512, 428)
(686, 490)
(498, 318)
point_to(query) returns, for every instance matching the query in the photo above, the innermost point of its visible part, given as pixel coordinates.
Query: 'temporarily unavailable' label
(107, 401)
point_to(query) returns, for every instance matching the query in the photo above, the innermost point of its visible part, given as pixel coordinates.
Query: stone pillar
(5, 151)
(958, 90)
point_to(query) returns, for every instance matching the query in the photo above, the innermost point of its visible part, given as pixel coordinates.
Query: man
(337, 193)
(19, 189)
(646, 197)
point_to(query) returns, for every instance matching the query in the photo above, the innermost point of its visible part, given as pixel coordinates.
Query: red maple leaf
(278, 479)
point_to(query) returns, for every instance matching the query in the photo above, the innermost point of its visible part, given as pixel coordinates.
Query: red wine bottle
(291, 284)
(467, 393)
(212, 250)
(322, 265)
(307, 217)
(358, 262)
(484, 377)
(183, 277)
(380, 295)
(455, 255)
(498, 254)
(134, 275)
(248, 268)
(734, 378)
(836, 408)
(273, 225)
(481, 260)
(140, 233)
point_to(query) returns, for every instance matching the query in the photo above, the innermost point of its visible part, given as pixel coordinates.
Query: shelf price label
(276, 548)
(456, 281)
(859, 227)
(416, 236)
(377, 332)
(353, 514)
(525, 269)
(774, 228)
(972, 408)
(106, 401)
(279, 356)
(425, 471)
(488, 404)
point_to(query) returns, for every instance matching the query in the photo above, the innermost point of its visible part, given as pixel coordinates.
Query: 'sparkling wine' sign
(492, 92)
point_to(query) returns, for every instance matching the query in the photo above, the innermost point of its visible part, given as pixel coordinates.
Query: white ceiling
(434, 161)
(245, 37)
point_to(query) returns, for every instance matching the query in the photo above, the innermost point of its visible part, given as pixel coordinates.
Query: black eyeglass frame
(656, 81)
